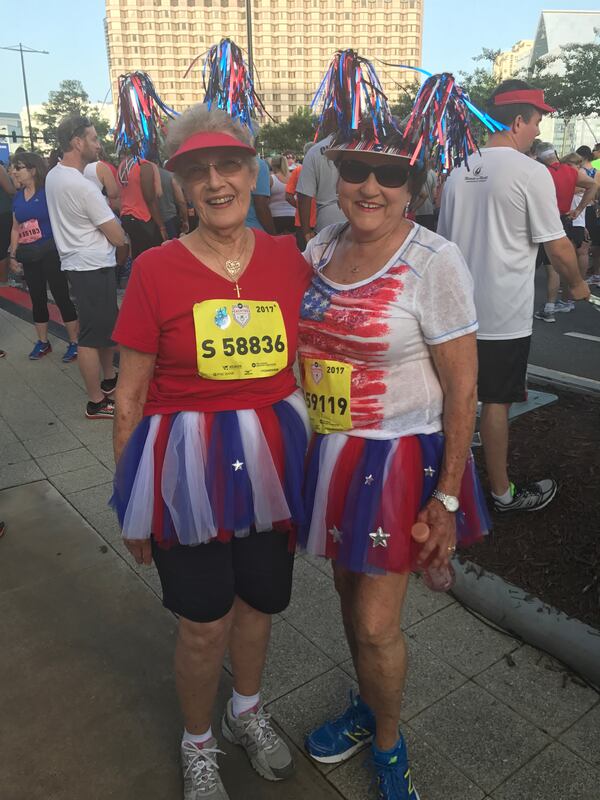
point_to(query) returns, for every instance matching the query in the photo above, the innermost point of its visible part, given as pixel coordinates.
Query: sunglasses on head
(80, 129)
(225, 167)
(392, 176)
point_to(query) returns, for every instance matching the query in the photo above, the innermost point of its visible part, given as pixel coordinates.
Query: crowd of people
(404, 296)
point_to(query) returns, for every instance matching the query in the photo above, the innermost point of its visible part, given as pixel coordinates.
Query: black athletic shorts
(576, 233)
(502, 370)
(95, 294)
(200, 583)
(6, 221)
(592, 223)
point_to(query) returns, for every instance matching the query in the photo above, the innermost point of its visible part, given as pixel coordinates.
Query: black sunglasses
(392, 176)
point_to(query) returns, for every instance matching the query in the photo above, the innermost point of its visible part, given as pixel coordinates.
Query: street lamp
(24, 49)
(249, 37)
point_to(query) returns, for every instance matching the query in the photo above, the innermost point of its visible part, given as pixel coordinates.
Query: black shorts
(200, 583)
(502, 370)
(6, 221)
(576, 233)
(592, 223)
(143, 235)
(95, 293)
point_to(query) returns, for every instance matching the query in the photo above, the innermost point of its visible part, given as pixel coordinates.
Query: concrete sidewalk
(88, 707)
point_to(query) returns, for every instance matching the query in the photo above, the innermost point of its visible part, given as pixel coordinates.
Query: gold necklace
(232, 266)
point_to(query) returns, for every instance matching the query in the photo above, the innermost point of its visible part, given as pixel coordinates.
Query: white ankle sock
(549, 308)
(242, 703)
(197, 738)
(504, 498)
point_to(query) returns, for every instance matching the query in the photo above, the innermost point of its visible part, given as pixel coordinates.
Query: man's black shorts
(576, 233)
(592, 223)
(95, 294)
(200, 583)
(502, 370)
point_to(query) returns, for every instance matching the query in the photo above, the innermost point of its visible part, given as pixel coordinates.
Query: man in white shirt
(318, 179)
(498, 212)
(87, 234)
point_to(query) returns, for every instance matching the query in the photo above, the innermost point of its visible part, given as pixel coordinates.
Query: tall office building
(293, 42)
(514, 61)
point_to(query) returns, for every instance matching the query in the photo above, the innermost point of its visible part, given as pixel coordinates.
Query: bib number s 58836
(242, 339)
(326, 385)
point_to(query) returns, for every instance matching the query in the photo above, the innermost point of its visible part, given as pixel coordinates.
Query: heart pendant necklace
(232, 266)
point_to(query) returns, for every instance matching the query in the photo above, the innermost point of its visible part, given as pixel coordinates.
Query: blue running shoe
(392, 774)
(40, 350)
(71, 353)
(337, 740)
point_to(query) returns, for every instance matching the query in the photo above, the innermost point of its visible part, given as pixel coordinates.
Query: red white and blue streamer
(439, 125)
(140, 127)
(351, 90)
(227, 83)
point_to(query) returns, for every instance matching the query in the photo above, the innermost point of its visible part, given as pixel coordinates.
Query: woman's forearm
(128, 413)
(458, 423)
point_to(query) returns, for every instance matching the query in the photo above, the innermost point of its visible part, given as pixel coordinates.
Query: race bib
(236, 340)
(326, 387)
(29, 231)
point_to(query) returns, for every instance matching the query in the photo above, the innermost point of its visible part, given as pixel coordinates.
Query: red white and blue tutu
(356, 486)
(192, 477)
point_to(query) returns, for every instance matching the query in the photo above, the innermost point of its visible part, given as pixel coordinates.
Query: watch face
(451, 503)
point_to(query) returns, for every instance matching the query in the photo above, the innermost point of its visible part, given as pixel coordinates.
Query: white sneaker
(564, 306)
(201, 779)
(268, 753)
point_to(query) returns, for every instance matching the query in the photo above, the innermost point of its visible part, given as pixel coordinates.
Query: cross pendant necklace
(232, 266)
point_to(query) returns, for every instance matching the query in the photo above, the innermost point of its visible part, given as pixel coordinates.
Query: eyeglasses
(225, 168)
(21, 166)
(392, 176)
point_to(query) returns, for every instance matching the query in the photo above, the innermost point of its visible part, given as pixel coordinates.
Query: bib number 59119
(327, 387)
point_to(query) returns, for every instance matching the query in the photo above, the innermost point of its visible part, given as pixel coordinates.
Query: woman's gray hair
(200, 119)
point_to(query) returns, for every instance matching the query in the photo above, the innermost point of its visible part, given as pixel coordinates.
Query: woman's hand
(15, 266)
(442, 537)
(140, 549)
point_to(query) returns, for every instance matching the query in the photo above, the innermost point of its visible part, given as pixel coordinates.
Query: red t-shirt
(565, 181)
(157, 317)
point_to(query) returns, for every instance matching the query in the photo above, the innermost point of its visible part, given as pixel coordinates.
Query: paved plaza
(87, 704)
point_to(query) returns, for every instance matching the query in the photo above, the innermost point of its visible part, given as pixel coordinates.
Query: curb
(575, 644)
(543, 375)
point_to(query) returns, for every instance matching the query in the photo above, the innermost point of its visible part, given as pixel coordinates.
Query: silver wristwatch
(449, 502)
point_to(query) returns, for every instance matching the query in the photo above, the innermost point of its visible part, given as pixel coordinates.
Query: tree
(406, 98)
(289, 135)
(480, 85)
(570, 80)
(70, 98)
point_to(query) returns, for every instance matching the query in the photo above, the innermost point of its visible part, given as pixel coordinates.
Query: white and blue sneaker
(337, 740)
(392, 773)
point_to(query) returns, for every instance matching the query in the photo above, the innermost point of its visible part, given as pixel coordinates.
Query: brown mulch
(553, 554)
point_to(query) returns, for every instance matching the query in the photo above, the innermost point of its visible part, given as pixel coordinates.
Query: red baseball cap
(532, 97)
(205, 141)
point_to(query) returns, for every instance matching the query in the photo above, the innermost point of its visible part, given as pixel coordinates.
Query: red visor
(532, 97)
(205, 141)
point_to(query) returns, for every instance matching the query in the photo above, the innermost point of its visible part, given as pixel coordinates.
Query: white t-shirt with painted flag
(498, 212)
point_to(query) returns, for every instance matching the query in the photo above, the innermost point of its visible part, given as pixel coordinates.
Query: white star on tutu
(379, 537)
(429, 471)
(369, 480)
(336, 535)
(237, 465)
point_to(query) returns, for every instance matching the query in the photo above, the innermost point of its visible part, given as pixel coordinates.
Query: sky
(73, 32)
